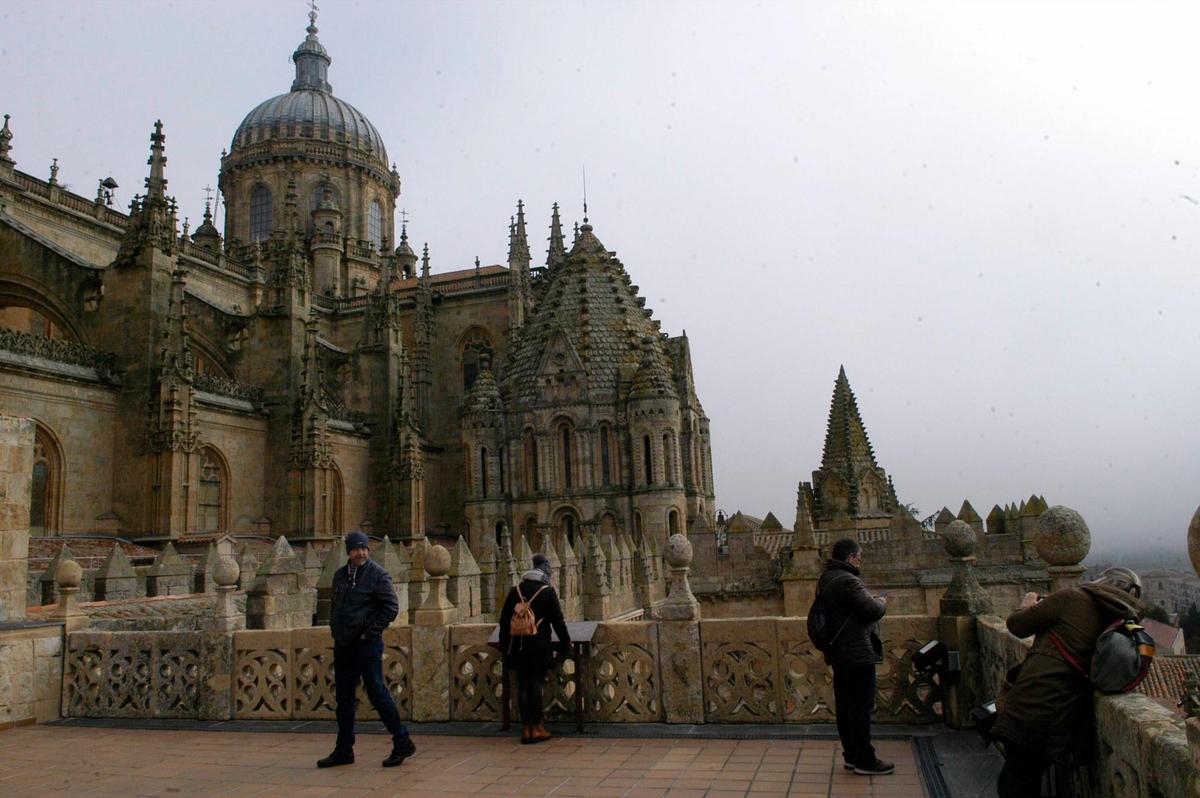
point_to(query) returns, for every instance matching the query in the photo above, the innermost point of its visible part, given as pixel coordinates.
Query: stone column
(16, 471)
(964, 599)
(1062, 541)
(431, 642)
(70, 574)
(679, 639)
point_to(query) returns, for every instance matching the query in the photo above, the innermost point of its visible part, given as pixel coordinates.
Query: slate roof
(587, 305)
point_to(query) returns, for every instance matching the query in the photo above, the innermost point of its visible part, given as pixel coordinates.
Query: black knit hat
(357, 540)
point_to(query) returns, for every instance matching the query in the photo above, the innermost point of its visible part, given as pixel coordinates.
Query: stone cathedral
(306, 372)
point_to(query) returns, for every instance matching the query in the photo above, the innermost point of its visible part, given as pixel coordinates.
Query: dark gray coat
(849, 602)
(366, 606)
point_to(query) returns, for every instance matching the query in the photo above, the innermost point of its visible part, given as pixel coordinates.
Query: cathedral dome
(310, 110)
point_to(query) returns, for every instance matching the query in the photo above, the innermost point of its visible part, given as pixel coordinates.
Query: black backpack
(821, 624)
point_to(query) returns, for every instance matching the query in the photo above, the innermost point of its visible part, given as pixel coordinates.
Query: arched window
(569, 529)
(499, 533)
(375, 224)
(568, 454)
(500, 470)
(483, 472)
(647, 462)
(260, 213)
(477, 352)
(45, 483)
(668, 459)
(337, 523)
(673, 522)
(605, 456)
(531, 463)
(214, 487)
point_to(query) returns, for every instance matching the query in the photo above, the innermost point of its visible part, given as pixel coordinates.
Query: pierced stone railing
(758, 670)
(288, 675)
(765, 670)
(137, 674)
(58, 350)
(222, 386)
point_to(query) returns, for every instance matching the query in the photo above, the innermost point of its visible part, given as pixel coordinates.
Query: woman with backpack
(1046, 715)
(530, 611)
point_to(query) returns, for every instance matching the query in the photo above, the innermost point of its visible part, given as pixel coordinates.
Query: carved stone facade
(303, 373)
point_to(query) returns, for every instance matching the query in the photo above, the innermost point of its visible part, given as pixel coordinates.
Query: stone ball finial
(678, 552)
(437, 561)
(227, 572)
(1063, 537)
(69, 574)
(1194, 541)
(959, 539)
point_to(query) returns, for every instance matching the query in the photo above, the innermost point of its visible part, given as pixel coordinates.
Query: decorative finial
(476, 263)
(54, 172)
(312, 16)
(5, 142)
(585, 219)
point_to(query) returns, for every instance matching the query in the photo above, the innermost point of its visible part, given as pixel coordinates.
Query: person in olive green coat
(1046, 716)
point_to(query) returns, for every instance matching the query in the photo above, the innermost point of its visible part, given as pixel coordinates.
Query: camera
(985, 718)
(936, 656)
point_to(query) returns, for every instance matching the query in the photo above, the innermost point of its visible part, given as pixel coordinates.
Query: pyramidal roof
(588, 319)
(846, 441)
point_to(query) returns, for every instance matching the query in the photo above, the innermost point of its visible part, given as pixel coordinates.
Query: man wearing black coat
(364, 603)
(856, 651)
(531, 657)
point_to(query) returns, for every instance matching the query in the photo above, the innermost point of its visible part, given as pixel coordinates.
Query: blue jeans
(854, 698)
(363, 659)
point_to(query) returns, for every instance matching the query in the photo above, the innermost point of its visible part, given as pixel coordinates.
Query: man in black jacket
(856, 651)
(364, 603)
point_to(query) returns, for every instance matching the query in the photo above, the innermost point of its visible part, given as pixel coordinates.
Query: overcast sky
(990, 214)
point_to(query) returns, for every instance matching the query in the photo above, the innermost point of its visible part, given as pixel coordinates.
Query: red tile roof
(1164, 683)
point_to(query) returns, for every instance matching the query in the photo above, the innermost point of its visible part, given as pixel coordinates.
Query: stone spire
(405, 257)
(312, 62)
(847, 448)
(519, 250)
(156, 183)
(557, 254)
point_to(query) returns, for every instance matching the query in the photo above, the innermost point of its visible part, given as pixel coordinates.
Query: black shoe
(400, 752)
(876, 768)
(848, 766)
(340, 756)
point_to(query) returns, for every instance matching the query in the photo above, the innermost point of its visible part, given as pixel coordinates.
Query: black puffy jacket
(366, 606)
(849, 601)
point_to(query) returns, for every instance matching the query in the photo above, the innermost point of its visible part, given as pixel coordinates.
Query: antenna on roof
(585, 193)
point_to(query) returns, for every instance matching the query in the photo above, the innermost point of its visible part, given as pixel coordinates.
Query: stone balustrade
(760, 670)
